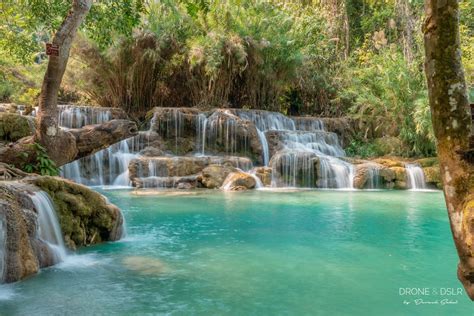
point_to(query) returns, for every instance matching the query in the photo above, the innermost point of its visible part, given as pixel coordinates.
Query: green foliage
(42, 164)
(20, 84)
(216, 53)
(359, 148)
(389, 97)
(28, 24)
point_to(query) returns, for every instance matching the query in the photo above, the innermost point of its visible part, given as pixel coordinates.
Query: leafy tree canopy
(27, 24)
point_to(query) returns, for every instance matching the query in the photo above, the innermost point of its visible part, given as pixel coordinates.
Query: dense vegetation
(357, 58)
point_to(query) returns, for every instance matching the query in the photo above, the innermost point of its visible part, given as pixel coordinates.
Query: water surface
(261, 253)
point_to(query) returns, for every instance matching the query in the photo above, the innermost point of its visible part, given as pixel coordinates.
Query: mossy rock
(390, 162)
(85, 216)
(15, 126)
(427, 162)
(433, 176)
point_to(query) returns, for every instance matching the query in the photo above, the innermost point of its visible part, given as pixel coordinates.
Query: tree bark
(48, 132)
(92, 138)
(452, 126)
(86, 141)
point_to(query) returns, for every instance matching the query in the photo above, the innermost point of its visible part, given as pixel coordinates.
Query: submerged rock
(145, 265)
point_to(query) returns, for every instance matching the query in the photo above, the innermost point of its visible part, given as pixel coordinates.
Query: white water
(265, 149)
(374, 177)
(309, 156)
(73, 116)
(227, 185)
(415, 177)
(48, 226)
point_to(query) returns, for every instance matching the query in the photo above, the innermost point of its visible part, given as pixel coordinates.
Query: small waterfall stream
(415, 177)
(305, 144)
(48, 225)
(73, 116)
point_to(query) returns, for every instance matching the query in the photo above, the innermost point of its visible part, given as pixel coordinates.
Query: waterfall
(300, 152)
(267, 121)
(73, 116)
(373, 175)
(201, 133)
(108, 166)
(48, 226)
(265, 149)
(415, 177)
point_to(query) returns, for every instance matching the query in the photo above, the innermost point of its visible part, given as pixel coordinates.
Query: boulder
(150, 151)
(264, 174)
(185, 182)
(238, 181)
(432, 176)
(213, 176)
(24, 253)
(15, 126)
(400, 181)
(169, 167)
(363, 174)
(391, 161)
(85, 216)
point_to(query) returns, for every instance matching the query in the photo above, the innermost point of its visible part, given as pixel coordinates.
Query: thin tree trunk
(452, 126)
(48, 132)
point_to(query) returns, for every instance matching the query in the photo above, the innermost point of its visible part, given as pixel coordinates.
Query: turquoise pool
(259, 253)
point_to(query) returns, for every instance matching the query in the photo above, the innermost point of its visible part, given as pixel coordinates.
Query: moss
(84, 215)
(427, 162)
(432, 176)
(14, 126)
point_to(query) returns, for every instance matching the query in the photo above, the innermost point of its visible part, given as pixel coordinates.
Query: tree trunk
(48, 132)
(452, 125)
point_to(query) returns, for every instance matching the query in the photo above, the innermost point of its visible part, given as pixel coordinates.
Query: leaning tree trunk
(452, 126)
(48, 132)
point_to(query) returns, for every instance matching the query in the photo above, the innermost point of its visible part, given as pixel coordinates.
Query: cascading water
(265, 149)
(307, 155)
(415, 177)
(73, 116)
(373, 175)
(108, 166)
(48, 226)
